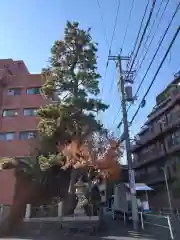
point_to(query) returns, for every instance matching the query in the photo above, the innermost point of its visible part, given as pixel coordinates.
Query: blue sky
(28, 29)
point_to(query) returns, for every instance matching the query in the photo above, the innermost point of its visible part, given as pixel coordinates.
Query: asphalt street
(113, 230)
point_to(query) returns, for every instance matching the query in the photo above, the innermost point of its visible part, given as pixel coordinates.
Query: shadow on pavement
(112, 230)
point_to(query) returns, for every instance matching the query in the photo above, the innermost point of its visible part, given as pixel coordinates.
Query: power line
(129, 18)
(154, 78)
(147, 49)
(141, 40)
(115, 23)
(141, 24)
(161, 41)
(113, 80)
(152, 26)
(127, 26)
(160, 19)
(143, 34)
(157, 50)
(136, 41)
(113, 34)
(103, 25)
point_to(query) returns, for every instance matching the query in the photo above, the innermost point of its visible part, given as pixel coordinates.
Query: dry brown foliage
(80, 155)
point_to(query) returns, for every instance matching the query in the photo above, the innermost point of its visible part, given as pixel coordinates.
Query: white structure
(28, 211)
(102, 189)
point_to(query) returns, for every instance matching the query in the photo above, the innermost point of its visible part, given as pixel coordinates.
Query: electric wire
(113, 80)
(103, 25)
(160, 43)
(115, 24)
(140, 43)
(142, 36)
(141, 40)
(152, 26)
(157, 50)
(144, 31)
(138, 66)
(140, 28)
(154, 78)
(135, 44)
(127, 26)
(113, 34)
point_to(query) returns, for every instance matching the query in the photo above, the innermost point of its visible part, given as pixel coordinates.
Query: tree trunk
(70, 202)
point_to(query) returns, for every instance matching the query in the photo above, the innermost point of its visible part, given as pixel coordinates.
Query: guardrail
(156, 220)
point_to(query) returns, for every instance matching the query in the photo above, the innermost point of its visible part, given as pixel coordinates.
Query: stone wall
(4, 212)
(7, 186)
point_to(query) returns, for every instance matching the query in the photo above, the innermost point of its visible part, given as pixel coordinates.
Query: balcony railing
(141, 160)
(174, 121)
(174, 96)
(165, 127)
(172, 148)
(151, 178)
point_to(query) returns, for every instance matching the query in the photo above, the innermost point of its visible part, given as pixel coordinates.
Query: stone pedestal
(80, 221)
(60, 209)
(28, 211)
(79, 212)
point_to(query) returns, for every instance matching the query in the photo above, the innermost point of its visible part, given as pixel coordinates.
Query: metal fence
(167, 212)
(158, 221)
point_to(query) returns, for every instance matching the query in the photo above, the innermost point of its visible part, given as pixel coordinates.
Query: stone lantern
(81, 189)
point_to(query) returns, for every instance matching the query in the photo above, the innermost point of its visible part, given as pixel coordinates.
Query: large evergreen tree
(71, 81)
(72, 77)
(71, 84)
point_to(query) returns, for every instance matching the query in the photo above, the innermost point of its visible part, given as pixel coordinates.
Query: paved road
(114, 230)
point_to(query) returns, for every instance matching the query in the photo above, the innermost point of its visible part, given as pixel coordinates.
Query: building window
(27, 135)
(14, 91)
(177, 137)
(7, 136)
(30, 111)
(34, 90)
(173, 139)
(170, 117)
(10, 113)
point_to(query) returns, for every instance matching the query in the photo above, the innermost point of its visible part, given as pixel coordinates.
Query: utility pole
(124, 98)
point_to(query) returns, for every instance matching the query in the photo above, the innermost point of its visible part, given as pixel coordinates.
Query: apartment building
(20, 99)
(157, 145)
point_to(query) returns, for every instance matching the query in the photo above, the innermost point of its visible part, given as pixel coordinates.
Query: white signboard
(132, 182)
(120, 200)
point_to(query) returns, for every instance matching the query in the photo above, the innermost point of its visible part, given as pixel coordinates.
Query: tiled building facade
(157, 146)
(20, 99)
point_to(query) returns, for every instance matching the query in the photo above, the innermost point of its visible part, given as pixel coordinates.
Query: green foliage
(51, 160)
(28, 166)
(71, 74)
